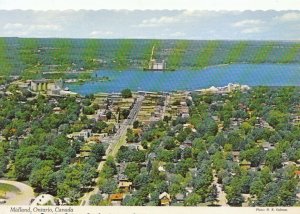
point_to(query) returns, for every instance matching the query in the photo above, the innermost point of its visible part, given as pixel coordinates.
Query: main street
(115, 142)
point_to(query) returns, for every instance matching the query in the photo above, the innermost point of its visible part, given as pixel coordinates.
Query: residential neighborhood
(211, 147)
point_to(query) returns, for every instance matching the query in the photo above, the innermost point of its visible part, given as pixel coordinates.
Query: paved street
(115, 142)
(222, 201)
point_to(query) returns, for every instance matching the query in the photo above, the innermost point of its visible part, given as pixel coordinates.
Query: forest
(31, 58)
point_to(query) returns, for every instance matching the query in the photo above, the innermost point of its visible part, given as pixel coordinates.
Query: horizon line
(120, 38)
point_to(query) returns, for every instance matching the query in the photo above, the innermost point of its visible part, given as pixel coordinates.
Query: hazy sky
(152, 4)
(163, 24)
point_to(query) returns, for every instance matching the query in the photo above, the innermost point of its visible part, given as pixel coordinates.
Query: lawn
(4, 188)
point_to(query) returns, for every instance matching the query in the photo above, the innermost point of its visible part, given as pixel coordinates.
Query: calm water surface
(249, 74)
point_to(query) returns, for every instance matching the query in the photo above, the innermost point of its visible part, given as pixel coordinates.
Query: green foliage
(122, 56)
(40, 177)
(91, 54)
(126, 93)
(130, 155)
(98, 151)
(290, 55)
(107, 185)
(132, 170)
(61, 54)
(212, 194)
(109, 168)
(263, 53)
(5, 63)
(95, 200)
(205, 55)
(30, 57)
(236, 51)
(192, 200)
(174, 60)
(88, 110)
(136, 124)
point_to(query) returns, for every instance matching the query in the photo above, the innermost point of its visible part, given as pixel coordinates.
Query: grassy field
(4, 188)
(30, 57)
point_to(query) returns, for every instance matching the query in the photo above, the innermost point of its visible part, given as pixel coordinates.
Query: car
(2, 201)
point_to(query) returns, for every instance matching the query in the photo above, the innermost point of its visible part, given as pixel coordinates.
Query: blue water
(249, 74)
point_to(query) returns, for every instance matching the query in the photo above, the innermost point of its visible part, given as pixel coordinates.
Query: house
(189, 190)
(179, 197)
(267, 146)
(57, 110)
(245, 164)
(152, 156)
(288, 163)
(188, 143)
(95, 139)
(165, 199)
(193, 171)
(137, 131)
(161, 169)
(125, 186)
(41, 85)
(154, 65)
(236, 156)
(85, 134)
(183, 146)
(116, 199)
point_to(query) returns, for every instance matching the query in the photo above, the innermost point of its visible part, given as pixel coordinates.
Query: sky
(152, 4)
(63, 19)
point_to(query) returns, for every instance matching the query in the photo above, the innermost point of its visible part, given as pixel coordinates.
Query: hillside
(31, 57)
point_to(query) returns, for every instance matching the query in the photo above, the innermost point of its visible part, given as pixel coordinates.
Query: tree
(234, 198)
(132, 170)
(52, 153)
(212, 195)
(23, 167)
(131, 201)
(136, 124)
(257, 188)
(95, 199)
(88, 110)
(192, 200)
(71, 183)
(98, 151)
(99, 126)
(108, 115)
(130, 136)
(233, 193)
(107, 185)
(40, 175)
(125, 113)
(168, 143)
(3, 161)
(274, 159)
(109, 168)
(126, 93)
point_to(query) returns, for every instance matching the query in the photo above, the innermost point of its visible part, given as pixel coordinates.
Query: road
(115, 142)
(22, 198)
(166, 103)
(222, 201)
